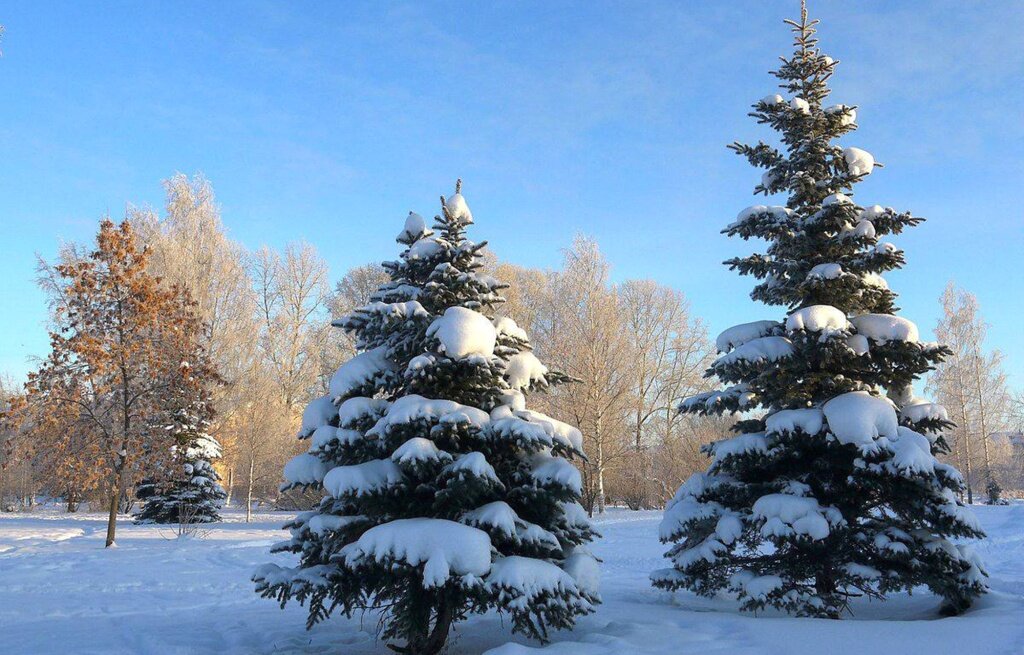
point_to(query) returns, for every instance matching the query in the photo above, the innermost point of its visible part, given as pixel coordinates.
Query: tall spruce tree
(445, 496)
(836, 491)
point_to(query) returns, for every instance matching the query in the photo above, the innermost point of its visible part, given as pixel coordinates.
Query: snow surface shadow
(158, 595)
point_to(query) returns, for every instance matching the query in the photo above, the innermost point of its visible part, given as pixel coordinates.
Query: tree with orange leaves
(124, 351)
(59, 443)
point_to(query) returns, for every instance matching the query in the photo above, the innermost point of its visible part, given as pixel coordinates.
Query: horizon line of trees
(261, 322)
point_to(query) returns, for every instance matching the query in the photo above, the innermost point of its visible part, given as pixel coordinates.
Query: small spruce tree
(445, 495)
(190, 492)
(835, 492)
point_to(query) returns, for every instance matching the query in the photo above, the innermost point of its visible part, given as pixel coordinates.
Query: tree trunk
(970, 473)
(439, 635)
(982, 418)
(600, 475)
(231, 486)
(115, 499)
(27, 498)
(589, 494)
(958, 456)
(116, 492)
(825, 585)
(428, 641)
(965, 424)
(248, 491)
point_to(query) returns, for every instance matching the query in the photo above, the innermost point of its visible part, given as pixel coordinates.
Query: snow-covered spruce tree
(836, 491)
(191, 491)
(445, 496)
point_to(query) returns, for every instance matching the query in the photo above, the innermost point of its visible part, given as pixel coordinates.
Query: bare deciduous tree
(190, 247)
(262, 435)
(636, 350)
(293, 301)
(972, 386)
(588, 340)
(670, 353)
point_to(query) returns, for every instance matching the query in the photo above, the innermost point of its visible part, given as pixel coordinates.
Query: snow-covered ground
(61, 592)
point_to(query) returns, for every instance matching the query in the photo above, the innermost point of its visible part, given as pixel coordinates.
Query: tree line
(262, 320)
(258, 327)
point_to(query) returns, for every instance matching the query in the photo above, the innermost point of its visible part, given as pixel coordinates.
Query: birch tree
(593, 346)
(670, 352)
(190, 247)
(647, 448)
(971, 384)
(263, 439)
(292, 303)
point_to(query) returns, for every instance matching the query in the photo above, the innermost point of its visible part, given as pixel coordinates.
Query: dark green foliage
(834, 492)
(190, 492)
(994, 494)
(420, 436)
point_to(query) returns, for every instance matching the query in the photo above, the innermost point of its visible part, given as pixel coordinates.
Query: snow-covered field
(61, 592)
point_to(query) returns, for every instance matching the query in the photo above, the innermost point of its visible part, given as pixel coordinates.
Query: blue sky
(329, 121)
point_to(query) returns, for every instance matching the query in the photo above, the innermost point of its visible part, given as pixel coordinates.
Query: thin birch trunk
(248, 490)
